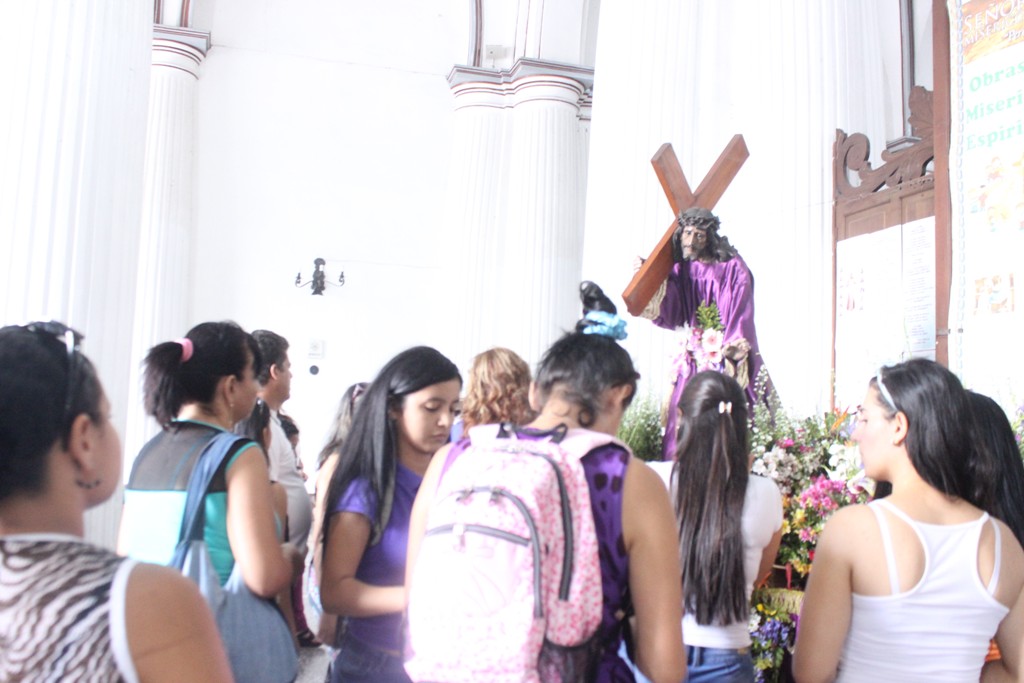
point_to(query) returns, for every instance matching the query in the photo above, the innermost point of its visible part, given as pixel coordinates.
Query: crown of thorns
(702, 219)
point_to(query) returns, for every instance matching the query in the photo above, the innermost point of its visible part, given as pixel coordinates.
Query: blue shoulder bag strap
(202, 474)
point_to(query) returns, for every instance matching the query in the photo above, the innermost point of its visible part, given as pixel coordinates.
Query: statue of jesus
(709, 283)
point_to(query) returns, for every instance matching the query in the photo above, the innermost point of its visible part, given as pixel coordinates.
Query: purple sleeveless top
(605, 467)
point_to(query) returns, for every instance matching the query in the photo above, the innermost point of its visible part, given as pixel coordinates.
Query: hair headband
(886, 396)
(605, 324)
(725, 407)
(186, 348)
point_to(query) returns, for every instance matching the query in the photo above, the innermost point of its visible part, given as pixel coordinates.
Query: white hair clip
(725, 407)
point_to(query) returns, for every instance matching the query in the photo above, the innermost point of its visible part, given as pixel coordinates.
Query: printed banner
(987, 177)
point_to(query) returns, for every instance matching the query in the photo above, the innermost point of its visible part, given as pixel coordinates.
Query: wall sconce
(319, 282)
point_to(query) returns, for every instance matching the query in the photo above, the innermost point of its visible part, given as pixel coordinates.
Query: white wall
(323, 131)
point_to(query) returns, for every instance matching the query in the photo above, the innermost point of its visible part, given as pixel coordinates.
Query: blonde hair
(497, 390)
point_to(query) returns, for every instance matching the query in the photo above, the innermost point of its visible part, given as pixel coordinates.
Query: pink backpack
(507, 584)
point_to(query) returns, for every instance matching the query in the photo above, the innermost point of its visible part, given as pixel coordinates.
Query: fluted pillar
(161, 307)
(545, 212)
(516, 192)
(474, 206)
(72, 118)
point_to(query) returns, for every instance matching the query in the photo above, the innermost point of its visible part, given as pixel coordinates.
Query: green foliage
(641, 429)
(708, 317)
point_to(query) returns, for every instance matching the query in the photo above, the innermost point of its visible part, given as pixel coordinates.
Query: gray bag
(255, 634)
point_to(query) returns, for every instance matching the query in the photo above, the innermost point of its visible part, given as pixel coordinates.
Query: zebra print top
(62, 611)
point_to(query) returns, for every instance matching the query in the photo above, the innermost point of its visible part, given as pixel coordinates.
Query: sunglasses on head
(71, 339)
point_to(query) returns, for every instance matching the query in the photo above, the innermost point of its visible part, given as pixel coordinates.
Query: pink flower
(711, 341)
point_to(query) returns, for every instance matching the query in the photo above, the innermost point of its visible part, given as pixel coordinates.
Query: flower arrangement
(773, 623)
(817, 469)
(702, 344)
(806, 516)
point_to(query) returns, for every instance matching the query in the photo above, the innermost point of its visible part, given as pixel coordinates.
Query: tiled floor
(312, 665)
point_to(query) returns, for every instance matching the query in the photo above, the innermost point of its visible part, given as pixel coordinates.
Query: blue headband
(605, 324)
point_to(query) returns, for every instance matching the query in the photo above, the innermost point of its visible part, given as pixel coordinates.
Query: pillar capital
(180, 48)
(527, 80)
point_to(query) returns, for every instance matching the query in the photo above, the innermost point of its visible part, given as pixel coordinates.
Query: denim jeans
(357, 662)
(707, 664)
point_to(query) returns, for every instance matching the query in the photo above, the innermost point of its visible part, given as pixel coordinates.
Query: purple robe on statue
(731, 286)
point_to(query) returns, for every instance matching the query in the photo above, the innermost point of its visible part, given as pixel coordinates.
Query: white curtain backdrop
(73, 121)
(785, 75)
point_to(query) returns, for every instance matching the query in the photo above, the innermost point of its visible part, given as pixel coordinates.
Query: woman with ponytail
(730, 526)
(198, 387)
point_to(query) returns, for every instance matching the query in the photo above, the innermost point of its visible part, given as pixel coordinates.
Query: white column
(165, 250)
(474, 207)
(516, 192)
(544, 227)
(72, 118)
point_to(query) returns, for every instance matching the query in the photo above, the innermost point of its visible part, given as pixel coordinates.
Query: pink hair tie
(186, 348)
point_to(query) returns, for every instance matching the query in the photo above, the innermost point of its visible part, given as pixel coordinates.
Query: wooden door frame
(894, 193)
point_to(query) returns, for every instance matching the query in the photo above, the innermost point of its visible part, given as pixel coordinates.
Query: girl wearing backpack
(584, 383)
(404, 417)
(729, 528)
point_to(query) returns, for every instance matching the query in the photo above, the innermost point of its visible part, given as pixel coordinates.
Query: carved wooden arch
(901, 190)
(903, 168)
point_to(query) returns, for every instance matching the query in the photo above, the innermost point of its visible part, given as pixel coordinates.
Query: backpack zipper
(533, 541)
(567, 533)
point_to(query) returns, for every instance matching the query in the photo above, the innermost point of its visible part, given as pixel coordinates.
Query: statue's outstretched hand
(638, 263)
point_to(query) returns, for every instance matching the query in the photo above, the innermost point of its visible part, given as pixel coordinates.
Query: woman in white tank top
(913, 587)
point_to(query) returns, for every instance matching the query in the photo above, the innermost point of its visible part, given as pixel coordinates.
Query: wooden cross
(656, 268)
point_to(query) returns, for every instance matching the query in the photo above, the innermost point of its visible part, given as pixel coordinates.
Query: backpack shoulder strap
(199, 482)
(477, 434)
(455, 451)
(579, 442)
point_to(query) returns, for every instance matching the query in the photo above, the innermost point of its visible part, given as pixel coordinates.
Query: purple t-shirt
(383, 564)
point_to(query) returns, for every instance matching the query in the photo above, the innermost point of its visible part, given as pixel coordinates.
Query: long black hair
(996, 464)
(582, 366)
(43, 388)
(254, 426)
(938, 426)
(710, 476)
(173, 378)
(370, 452)
(342, 422)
